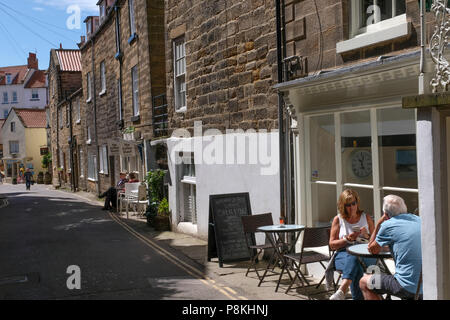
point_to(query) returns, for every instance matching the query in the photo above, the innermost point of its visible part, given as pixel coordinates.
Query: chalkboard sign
(226, 239)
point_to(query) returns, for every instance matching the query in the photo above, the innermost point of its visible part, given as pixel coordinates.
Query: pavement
(232, 274)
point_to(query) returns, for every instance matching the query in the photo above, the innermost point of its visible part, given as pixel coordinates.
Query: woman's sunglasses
(350, 204)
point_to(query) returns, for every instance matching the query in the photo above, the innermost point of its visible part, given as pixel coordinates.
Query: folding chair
(250, 225)
(312, 238)
(141, 201)
(130, 194)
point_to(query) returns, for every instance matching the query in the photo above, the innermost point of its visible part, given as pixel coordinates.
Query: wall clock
(361, 161)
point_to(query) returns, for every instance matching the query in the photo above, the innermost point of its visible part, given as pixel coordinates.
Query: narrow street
(43, 232)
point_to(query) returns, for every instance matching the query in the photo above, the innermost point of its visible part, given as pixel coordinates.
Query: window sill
(189, 180)
(35, 99)
(88, 142)
(102, 93)
(118, 55)
(89, 100)
(78, 121)
(181, 110)
(92, 180)
(135, 118)
(370, 38)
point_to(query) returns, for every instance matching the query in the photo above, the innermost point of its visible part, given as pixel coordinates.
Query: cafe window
(188, 187)
(104, 159)
(370, 151)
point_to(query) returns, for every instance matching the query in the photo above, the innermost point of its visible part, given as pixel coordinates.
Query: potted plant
(14, 181)
(155, 183)
(47, 178)
(162, 219)
(40, 178)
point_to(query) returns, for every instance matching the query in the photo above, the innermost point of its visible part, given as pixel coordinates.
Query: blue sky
(38, 26)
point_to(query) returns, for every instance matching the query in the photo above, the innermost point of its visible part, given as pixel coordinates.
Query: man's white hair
(394, 205)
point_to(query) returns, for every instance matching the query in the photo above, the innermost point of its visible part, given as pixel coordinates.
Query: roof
(37, 80)
(32, 118)
(69, 60)
(18, 74)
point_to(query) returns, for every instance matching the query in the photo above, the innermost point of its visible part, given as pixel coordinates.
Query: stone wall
(313, 27)
(230, 63)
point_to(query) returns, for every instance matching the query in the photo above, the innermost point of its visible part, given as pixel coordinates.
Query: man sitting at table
(111, 193)
(399, 230)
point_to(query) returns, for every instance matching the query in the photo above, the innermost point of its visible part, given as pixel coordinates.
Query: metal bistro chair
(140, 202)
(250, 225)
(130, 194)
(312, 238)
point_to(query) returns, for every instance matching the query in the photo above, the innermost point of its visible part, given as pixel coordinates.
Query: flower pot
(161, 223)
(47, 178)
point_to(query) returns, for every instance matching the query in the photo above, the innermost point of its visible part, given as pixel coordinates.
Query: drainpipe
(280, 110)
(422, 47)
(95, 114)
(72, 165)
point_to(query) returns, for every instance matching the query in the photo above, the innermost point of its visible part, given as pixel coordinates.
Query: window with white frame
(132, 17)
(104, 159)
(78, 110)
(179, 58)
(135, 88)
(13, 146)
(13, 126)
(61, 158)
(14, 97)
(5, 97)
(89, 87)
(103, 77)
(81, 161)
(92, 166)
(8, 78)
(102, 11)
(366, 15)
(89, 137)
(371, 151)
(5, 113)
(188, 189)
(35, 94)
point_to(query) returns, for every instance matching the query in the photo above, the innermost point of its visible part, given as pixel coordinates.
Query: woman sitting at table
(350, 225)
(132, 177)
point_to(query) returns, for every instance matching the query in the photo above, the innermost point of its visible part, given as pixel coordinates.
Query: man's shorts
(387, 284)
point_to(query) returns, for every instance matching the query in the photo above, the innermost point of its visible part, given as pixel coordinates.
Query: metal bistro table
(361, 251)
(278, 236)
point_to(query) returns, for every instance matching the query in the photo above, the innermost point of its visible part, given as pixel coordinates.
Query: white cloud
(85, 5)
(38, 9)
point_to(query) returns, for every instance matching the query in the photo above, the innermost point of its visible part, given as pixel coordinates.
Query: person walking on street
(28, 178)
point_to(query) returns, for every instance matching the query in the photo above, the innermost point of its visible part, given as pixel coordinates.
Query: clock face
(362, 163)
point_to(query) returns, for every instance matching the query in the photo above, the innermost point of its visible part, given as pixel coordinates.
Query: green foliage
(163, 208)
(46, 160)
(129, 130)
(155, 182)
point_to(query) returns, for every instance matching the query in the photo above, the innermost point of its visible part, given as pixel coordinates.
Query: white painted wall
(18, 135)
(216, 178)
(23, 98)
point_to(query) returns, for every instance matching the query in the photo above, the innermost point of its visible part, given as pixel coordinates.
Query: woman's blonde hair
(346, 197)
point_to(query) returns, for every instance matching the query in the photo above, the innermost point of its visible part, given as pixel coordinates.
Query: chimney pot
(33, 61)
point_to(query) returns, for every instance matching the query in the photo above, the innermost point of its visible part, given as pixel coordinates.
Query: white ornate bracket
(438, 44)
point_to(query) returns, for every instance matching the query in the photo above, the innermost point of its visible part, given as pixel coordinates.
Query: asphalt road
(43, 232)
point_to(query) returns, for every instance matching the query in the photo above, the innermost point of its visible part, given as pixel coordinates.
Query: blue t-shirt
(402, 234)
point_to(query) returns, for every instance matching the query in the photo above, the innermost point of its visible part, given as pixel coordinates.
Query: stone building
(64, 78)
(347, 66)
(221, 68)
(123, 70)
